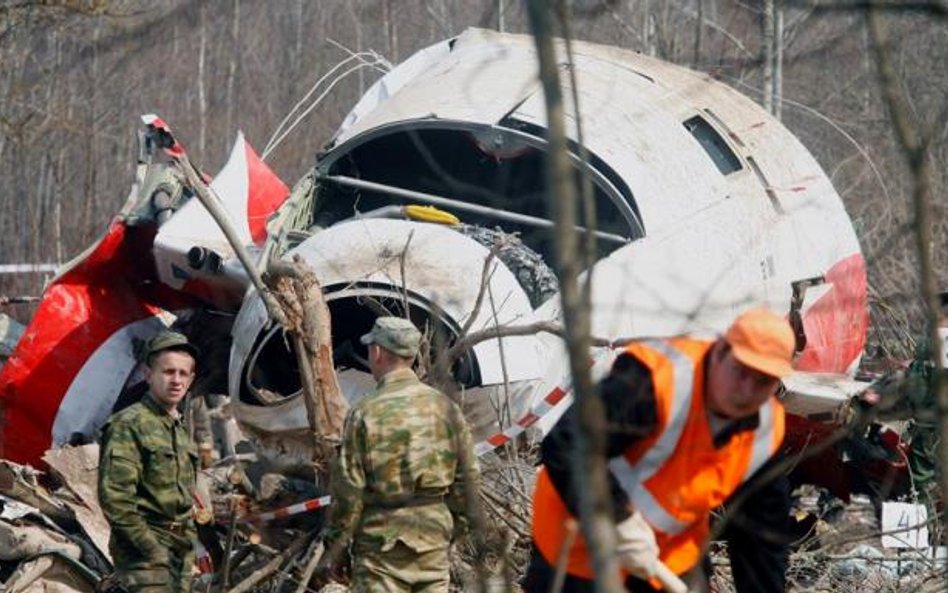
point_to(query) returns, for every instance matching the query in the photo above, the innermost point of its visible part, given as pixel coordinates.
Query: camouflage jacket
(405, 465)
(923, 432)
(147, 467)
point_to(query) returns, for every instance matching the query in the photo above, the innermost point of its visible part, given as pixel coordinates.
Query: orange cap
(763, 341)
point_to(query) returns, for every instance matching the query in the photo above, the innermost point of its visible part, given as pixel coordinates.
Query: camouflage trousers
(399, 570)
(141, 576)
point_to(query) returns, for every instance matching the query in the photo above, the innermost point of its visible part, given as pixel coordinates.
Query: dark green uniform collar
(397, 376)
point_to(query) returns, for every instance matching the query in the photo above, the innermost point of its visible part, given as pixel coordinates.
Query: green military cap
(398, 336)
(168, 340)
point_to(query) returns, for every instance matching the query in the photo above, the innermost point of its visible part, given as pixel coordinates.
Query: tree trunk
(357, 26)
(699, 28)
(589, 456)
(778, 60)
(202, 96)
(309, 324)
(648, 29)
(916, 150)
(767, 54)
(389, 25)
(232, 67)
(296, 72)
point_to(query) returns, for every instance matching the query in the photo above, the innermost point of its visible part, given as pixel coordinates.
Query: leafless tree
(75, 76)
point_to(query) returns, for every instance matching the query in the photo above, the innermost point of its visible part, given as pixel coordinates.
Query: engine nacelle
(370, 267)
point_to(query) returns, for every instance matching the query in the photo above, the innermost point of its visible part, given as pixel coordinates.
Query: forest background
(75, 75)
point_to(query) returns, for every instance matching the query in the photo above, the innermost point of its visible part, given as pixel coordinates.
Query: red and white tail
(76, 355)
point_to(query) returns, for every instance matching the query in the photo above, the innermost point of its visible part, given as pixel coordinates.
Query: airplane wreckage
(430, 202)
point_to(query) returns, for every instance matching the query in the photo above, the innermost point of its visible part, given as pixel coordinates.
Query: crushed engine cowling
(430, 273)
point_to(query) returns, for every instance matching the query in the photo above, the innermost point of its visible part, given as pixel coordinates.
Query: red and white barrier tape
(538, 411)
(293, 509)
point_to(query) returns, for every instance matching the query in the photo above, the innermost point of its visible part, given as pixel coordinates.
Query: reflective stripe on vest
(632, 477)
(663, 480)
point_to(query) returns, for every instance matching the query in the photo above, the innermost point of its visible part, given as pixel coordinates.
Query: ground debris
(51, 535)
(77, 468)
(839, 550)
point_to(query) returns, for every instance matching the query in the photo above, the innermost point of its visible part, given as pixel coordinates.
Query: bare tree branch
(486, 272)
(915, 150)
(589, 454)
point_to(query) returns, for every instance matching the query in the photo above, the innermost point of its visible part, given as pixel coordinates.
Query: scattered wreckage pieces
(51, 542)
(270, 568)
(240, 489)
(51, 573)
(278, 554)
(19, 542)
(254, 563)
(78, 467)
(46, 561)
(22, 483)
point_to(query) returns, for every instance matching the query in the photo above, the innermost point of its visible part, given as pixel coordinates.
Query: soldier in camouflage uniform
(147, 475)
(404, 471)
(923, 433)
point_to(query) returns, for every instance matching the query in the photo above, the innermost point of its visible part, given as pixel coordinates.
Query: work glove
(637, 548)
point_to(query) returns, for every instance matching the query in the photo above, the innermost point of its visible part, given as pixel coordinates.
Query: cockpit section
(487, 176)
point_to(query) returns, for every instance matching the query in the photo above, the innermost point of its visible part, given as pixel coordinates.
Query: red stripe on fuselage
(836, 324)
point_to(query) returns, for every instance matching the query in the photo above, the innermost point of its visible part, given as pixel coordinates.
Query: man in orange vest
(689, 421)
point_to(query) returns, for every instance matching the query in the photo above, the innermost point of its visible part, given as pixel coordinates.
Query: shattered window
(713, 144)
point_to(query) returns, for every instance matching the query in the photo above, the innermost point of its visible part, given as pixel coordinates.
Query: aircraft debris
(77, 469)
(18, 542)
(691, 224)
(51, 572)
(22, 483)
(45, 545)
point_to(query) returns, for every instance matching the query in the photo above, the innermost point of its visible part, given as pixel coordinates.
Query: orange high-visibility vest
(675, 476)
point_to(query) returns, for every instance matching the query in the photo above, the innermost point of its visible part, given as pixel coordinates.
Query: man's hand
(638, 551)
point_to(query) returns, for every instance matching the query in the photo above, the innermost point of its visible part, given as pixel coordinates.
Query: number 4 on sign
(904, 525)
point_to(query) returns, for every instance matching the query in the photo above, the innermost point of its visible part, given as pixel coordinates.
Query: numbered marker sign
(904, 525)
